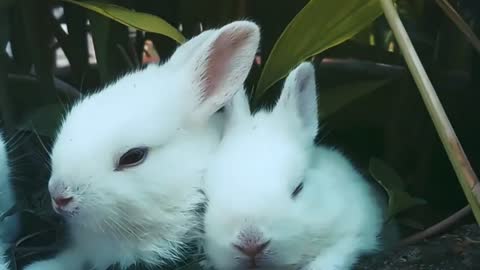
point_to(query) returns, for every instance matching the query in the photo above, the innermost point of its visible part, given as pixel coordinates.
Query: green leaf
(138, 20)
(398, 199)
(320, 25)
(100, 27)
(333, 100)
(44, 121)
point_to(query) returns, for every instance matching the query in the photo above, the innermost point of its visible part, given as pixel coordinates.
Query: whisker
(18, 158)
(14, 136)
(13, 143)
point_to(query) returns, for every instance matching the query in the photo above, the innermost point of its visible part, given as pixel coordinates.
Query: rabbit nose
(252, 248)
(62, 201)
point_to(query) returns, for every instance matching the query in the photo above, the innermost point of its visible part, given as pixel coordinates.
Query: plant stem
(460, 23)
(435, 229)
(466, 176)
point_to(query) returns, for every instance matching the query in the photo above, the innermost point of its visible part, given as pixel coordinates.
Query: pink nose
(252, 249)
(62, 201)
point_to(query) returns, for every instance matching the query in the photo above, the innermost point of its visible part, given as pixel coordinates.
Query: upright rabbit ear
(218, 62)
(299, 97)
(238, 108)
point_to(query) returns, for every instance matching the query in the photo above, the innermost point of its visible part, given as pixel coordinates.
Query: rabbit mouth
(259, 264)
(265, 267)
(65, 213)
(263, 263)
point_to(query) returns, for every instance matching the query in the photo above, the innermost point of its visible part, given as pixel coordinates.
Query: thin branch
(460, 23)
(466, 176)
(437, 228)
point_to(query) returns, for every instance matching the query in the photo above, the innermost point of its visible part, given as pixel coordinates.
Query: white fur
(146, 213)
(9, 226)
(260, 162)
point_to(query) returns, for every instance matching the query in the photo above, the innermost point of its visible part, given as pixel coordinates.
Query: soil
(457, 250)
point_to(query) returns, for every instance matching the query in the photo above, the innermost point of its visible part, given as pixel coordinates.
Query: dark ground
(457, 250)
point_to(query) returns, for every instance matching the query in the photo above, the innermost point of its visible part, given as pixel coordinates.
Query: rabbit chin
(69, 214)
(66, 212)
(260, 264)
(235, 261)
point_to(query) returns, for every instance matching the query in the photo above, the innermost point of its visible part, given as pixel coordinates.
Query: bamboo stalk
(466, 176)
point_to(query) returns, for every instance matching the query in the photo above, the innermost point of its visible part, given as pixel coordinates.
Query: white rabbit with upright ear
(128, 161)
(10, 224)
(277, 201)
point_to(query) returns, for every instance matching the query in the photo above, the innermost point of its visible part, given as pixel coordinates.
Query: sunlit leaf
(320, 25)
(138, 20)
(398, 199)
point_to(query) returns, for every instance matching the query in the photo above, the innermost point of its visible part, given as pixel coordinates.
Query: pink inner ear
(219, 66)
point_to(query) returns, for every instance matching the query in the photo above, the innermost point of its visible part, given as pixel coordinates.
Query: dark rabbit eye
(297, 190)
(132, 157)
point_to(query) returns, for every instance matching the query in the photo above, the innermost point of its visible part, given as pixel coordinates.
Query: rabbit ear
(218, 62)
(299, 97)
(238, 108)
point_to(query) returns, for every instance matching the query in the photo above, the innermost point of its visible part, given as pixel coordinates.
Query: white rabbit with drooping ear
(10, 224)
(277, 201)
(128, 161)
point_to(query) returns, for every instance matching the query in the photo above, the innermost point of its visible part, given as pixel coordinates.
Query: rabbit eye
(297, 190)
(132, 157)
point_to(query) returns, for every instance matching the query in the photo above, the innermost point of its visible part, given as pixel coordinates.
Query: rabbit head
(254, 184)
(128, 159)
(278, 201)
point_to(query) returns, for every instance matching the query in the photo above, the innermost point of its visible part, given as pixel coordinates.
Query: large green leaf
(138, 20)
(320, 25)
(337, 98)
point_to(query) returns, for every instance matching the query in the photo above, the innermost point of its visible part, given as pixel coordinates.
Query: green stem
(466, 176)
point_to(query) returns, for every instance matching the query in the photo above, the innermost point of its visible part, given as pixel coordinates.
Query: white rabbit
(277, 201)
(9, 226)
(128, 161)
